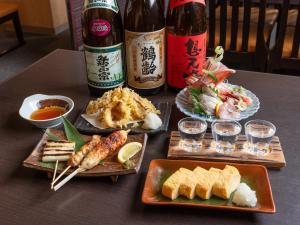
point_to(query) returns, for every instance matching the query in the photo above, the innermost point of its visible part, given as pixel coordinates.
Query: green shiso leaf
(52, 136)
(73, 134)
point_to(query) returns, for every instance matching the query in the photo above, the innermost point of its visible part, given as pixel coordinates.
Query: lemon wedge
(129, 150)
(218, 110)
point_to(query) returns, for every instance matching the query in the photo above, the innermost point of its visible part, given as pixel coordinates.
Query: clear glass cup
(192, 132)
(259, 134)
(225, 134)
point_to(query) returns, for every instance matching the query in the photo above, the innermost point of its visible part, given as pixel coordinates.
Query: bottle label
(107, 4)
(176, 3)
(100, 27)
(186, 55)
(105, 66)
(145, 58)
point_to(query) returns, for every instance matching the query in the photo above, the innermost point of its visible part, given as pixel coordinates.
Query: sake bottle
(186, 40)
(102, 33)
(144, 25)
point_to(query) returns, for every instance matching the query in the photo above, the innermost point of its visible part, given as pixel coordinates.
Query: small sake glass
(192, 132)
(259, 135)
(225, 134)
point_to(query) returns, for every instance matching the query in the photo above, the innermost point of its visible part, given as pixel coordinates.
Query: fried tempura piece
(119, 107)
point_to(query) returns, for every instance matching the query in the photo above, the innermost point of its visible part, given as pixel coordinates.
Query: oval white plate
(186, 107)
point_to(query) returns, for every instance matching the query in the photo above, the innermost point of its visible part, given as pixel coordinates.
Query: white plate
(186, 107)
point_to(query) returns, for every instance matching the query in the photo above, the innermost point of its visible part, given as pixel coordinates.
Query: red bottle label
(175, 3)
(186, 55)
(100, 27)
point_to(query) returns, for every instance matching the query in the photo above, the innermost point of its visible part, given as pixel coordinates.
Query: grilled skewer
(76, 158)
(107, 147)
(104, 148)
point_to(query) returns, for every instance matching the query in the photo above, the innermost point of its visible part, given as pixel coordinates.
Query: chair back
(286, 52)
(232, 20)
(74, 8)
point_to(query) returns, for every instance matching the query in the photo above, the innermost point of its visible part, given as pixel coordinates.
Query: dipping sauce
(48, 113)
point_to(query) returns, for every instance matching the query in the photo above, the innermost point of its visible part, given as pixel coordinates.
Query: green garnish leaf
(73, 134)
(52, 136)
(101, 163)
(210, 74)
(197, 106)
(51, 165)
(215, 90)
(195, 91)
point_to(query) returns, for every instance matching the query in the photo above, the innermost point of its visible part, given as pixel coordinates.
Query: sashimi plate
(184, 104)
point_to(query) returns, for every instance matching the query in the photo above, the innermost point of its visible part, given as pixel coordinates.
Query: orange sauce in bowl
(48, 113)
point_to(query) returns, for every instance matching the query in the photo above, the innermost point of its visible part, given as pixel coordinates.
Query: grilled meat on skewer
(76, 159)
(105, 148)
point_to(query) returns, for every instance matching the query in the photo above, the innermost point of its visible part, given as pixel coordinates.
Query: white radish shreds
(244, 196)
(152, 121)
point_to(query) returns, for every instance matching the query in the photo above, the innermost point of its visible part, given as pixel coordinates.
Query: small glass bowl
(192, 132)
(259, 134)
(225, 134)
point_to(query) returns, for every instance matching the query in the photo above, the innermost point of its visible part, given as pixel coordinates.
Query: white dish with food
(45, 111)
(187, 106)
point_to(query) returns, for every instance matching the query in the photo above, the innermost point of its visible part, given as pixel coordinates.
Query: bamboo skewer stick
(54, 174)
(60, 175)
(69, 177)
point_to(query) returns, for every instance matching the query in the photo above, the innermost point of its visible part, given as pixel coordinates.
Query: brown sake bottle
(102, 33)
(186, 41)
(144, 25)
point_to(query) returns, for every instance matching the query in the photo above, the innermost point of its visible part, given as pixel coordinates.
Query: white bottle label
(145, 59)
(108, 4)
(105, 66)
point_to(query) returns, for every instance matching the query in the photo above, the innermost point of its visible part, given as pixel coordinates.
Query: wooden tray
(109, 167)
(165, 108)
(275, 159)
(255, 176)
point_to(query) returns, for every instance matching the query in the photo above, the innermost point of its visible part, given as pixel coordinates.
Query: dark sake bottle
(186, 41)
(102, 33)
(144, 25)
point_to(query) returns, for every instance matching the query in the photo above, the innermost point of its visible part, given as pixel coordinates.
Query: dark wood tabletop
(25, 196)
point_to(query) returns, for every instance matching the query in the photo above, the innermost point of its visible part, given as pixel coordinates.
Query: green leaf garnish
(52, 136)
(197, 106)
(210, 74)
(195, 91)
(101, 163)
(73, 134)
(51, 165)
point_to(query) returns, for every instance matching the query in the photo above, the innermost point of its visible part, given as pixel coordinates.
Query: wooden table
(25, 194)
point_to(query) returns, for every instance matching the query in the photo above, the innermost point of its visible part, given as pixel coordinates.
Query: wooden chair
(9, 11)
(243, 28)
(286, 52)
(74, 14)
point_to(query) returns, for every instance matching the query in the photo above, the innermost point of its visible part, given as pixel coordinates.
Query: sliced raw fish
(208, 103)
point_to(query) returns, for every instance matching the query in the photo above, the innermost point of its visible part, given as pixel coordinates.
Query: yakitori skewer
(54, 174)
(104, 148)
(76, 158)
